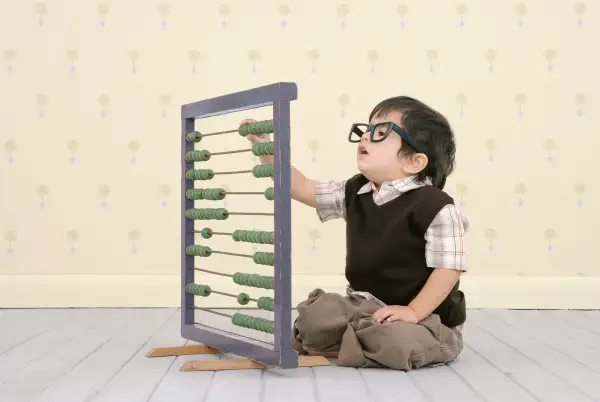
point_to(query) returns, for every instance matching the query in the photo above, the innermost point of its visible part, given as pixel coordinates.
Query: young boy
(405, 245)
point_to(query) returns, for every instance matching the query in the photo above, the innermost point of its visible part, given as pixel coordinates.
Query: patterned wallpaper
(90, 96)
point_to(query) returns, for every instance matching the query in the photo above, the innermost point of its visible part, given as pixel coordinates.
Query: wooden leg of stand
(247, 364)
(183, 350)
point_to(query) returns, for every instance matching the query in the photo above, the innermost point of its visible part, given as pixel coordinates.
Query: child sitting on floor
(405, 246)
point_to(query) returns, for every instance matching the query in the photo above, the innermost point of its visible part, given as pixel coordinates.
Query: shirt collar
(400, 185)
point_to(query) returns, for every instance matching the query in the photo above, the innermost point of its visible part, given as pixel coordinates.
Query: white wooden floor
(64, 355)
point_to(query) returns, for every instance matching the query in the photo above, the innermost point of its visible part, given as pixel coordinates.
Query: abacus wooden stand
(227, 364)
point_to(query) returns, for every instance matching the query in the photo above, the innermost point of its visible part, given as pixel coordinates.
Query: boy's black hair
(431, 131)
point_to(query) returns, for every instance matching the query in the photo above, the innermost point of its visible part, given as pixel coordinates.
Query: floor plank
(391, 386)
(340, 384)
(92, 373)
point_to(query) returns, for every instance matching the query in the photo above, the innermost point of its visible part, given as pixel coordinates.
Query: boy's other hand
(395, 313)
(255, 138)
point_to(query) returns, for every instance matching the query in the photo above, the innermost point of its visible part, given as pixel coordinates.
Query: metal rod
(230, 152)
(213, 272)
(252, 213)
(235, 172)
(212, 311)
(245, 192)
(215, 233)
(235, 254)
(220, 132)
(223, 293)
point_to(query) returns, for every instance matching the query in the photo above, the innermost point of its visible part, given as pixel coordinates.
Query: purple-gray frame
(279, 96)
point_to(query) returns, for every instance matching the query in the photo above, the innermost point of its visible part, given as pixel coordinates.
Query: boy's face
(379, 161)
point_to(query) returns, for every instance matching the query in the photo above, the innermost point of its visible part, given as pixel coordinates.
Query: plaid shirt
(445, 245)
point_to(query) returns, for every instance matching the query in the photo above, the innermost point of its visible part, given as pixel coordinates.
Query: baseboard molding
(39, 291)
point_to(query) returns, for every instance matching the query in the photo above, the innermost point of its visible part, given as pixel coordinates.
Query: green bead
(198, 290)
(197, 156)
(270, 194)
(262, 171)
(243, 298)
(194, 136)
(206, 233)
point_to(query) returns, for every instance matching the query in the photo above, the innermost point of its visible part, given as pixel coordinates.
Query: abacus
(212, 341)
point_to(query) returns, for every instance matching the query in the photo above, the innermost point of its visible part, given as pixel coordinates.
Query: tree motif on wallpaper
(103, 192)
(343, 11)
(343, 101)
(10, 237)
(490, 57)
(580, 10)
(103, 10)
(194, 56)
(491, 235)
(227, 188)
(550, 235)
(520, 190)
(42, 192)
(461, 101)
(254, 56)
(461, 189)
(402, 11)
(72, 238)
(284, 11)
(103, 101)
(10, 146)
(163, 11)
(490, 146)
(432, 58)
(550, 146)
(579, 100)
(521, 10)
(164, 191)
(164, 100)
(73, 147)
(40, 9)
(520, 100)
(314, 235)
(134, 57)
(313, 56)
(224, 12)
(313, 146)
(462, 10)
(134, 237)
(134, 147)
(550, 56)
(372, 57)
(41, 101)
(72, 56)
(10, 55)
(579, 189)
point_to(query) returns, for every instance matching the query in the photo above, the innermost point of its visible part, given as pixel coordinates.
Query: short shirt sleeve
(330, 196)
(445, 240)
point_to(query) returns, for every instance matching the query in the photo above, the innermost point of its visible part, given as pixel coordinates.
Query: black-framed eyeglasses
(379, 132)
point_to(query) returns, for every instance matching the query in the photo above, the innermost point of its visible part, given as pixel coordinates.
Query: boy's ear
(415, 163)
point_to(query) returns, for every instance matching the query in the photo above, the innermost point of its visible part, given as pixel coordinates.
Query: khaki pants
(333, 325)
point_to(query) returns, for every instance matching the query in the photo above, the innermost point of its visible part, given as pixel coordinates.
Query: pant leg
(399, 345)
(322, 320)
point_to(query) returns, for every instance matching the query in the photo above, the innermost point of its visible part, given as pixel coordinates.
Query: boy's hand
(395, 313)
(255, 138)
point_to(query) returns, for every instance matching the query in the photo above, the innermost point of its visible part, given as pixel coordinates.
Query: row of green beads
(254, 280)
(258, 128)
(263, 148)
(206, 194)
(264, 258)
(194, 136)
(207, 213)
(199, 174)
(198, 290)
(256, 323)
(266, 303)
(198, 250)
(262, 171)
(197, 156)
(254, 236)
(259, 149)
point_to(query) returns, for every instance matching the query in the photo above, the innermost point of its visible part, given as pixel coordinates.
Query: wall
(89, 107)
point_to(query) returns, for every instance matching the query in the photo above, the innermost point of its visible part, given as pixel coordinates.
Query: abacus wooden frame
(279, 96)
